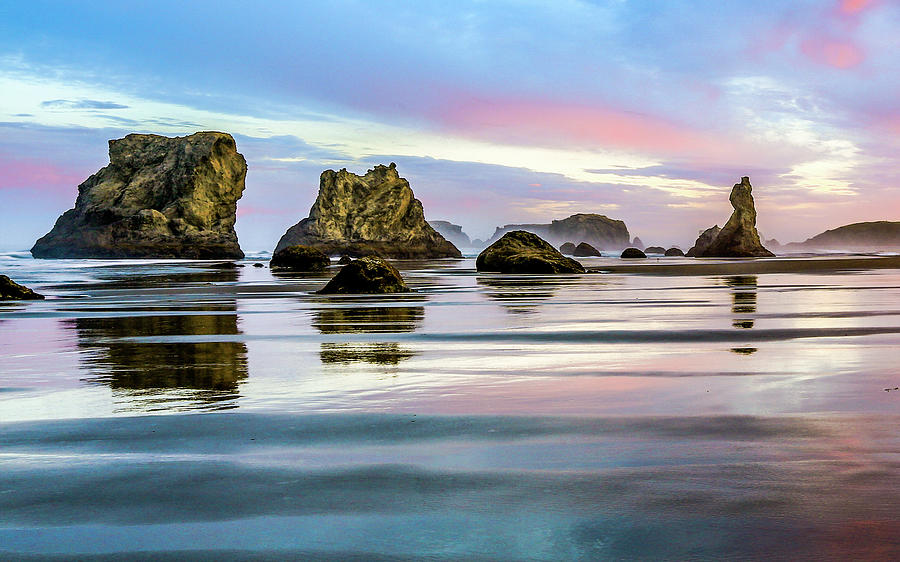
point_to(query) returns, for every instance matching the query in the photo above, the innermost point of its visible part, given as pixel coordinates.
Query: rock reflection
(343, 319)
(743, 295)
(520, 295)
(206, 374)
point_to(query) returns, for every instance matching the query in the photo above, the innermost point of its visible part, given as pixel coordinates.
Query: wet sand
(171, 411)
(714, 266)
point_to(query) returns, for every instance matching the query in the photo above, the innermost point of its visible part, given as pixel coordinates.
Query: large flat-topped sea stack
(739, 237)
(372, 214)
(858, 237)
(599, 231)
(158, 197)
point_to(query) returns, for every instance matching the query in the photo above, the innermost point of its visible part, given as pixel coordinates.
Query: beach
(672, 408)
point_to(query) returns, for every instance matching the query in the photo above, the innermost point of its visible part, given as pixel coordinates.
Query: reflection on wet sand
(520, 294)
(209, 371)
(743, 295)
(366, 320)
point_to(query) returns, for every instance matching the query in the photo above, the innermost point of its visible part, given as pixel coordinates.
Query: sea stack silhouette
(376, 213)
(158, 197)
(739, 237)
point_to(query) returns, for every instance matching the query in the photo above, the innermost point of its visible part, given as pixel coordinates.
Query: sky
(496, 112)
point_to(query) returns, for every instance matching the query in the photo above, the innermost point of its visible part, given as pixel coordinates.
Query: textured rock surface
(452, 232)
(739, 237)
(654, 250)
(158, 197)
(523, 252)
(10, 290)
(299, 258)
(568, 248)
(372, 214)
(584, 250)
(860, 236)
(631, 253)
(367, 275)
(597, 230)
(674, 252)
(703, 241)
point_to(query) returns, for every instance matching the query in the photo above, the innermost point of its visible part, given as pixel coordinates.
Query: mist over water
(172, 408)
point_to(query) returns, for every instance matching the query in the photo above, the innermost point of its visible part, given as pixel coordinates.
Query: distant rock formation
(158, 197)
(632, 253)
(859, 237)
(568, 248)
(299, 258)
(372, 214)
(674, 252)
(367, 275)
(524, 252)
(585, 250)
(637, 242)
(654, 250)
(452, 232)
(739, 238)
(10, 290)
(597, 230)
(703, 241)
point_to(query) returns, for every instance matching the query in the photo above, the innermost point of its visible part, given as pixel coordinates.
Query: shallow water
(492, 416)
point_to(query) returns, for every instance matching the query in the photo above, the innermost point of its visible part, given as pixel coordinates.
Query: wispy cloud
(81, 104)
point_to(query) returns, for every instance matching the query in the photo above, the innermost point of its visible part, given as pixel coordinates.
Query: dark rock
(584, 250)
(629, 253)
(523, 252)
(226, 265)
(703, 241)
(258, 264)
(158, 197)
(597, 230)
(372, 214)
(299, 258)
(859, 237)
(10, 290)
(345, 259)
(452, 232)
(568, 248)
(367, 275)
(654, 250)
(674, 252)
(739, 237)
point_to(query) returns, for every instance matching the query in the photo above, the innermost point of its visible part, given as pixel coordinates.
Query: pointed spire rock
(739, 237)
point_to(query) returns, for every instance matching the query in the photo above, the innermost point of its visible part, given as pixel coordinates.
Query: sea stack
(739, 237)
(372, 214)
(158, 197)
(523, 252)
(703, 241)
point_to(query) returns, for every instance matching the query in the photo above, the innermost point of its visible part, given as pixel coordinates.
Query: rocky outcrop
(523, 252)
(703, 241)
(10, 290)
(858, 237)
(633, 253)
(637, 242)
(585, 250)
(452, 232)
(739, 237)
(158, 197)
(597, 230)
(654, 250)
(568, 248)
(372, 214)
(674, 252)
(367, 275)
(299, 258)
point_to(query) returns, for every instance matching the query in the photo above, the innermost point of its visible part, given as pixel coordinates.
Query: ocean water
(171, 410)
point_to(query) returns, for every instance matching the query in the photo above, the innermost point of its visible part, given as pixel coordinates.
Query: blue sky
(496, 112)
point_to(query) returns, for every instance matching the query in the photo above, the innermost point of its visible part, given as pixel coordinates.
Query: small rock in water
(10, 290)
(523, 252)
(345, 259)
(367, 275)
(630, 253)
(300, 258)
(585, 250)
(258, 264)
(674, 252)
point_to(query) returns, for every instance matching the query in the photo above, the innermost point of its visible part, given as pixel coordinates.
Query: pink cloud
(832, 52)
(19, 173)
(854, 7)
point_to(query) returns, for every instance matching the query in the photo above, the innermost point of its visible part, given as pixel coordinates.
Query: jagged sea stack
(372, 214)
(158, 197)
(738, 238)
